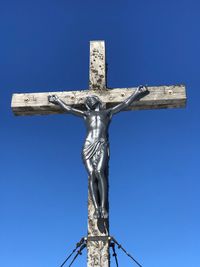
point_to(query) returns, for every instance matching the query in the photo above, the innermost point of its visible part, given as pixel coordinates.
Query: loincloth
(95, 149)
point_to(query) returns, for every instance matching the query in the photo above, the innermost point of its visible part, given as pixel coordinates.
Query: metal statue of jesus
(95, 151)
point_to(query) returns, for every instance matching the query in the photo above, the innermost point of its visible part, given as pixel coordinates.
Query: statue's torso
(97, 123)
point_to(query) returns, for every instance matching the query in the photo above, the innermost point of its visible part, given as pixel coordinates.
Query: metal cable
(79, 252)
(74, 250)
(129, 255)
(112, 245)
(82, 245)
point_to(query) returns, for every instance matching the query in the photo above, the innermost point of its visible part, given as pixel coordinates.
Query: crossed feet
(100, 213)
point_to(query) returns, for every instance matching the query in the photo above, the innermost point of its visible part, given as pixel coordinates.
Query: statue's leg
(93, 186)
(103, 181)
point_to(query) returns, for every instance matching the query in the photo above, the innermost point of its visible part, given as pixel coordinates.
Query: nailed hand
(143, 89)
(53, 99)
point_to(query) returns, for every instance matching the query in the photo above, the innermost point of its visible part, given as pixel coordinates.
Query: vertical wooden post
(98, 230)
(97, 65)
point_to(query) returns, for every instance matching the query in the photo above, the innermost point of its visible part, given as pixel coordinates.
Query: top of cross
(159, 96)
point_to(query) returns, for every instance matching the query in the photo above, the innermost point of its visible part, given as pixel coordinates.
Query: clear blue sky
(154, 166)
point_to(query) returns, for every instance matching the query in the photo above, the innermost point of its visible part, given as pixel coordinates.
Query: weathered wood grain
(97, 65)
(98, 251)
(159, 97)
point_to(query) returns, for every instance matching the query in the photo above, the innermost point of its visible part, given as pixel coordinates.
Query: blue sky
(154, 165)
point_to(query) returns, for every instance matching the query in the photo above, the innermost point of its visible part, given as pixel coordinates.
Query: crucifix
(97, 106)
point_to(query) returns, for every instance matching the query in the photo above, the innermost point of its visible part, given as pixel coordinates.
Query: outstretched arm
(140, 91)
(57, 101)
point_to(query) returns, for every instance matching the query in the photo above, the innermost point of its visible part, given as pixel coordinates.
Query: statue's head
(92, 102)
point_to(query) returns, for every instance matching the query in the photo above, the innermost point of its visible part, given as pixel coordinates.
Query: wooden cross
(38, 104)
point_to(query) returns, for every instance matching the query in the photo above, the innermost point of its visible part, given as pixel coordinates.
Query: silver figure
(95, 152)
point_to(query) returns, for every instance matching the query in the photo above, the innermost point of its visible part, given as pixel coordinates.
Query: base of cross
(98, 250)
(85, 242)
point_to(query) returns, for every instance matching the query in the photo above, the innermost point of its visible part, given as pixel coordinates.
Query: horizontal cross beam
(158, 97)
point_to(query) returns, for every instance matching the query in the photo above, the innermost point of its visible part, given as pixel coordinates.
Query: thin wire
(74, 250)
(129, 255)
(114, 253)
(79, 252)
(82, 245)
